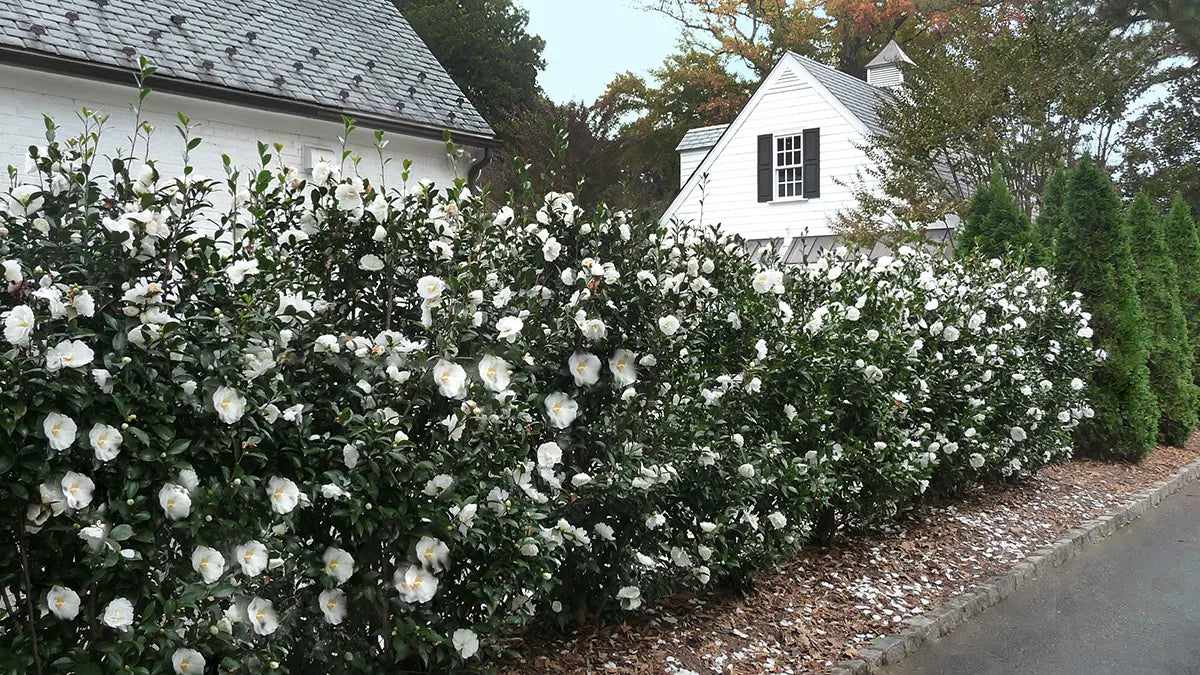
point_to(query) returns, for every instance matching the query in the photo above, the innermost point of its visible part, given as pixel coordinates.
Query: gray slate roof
(360, 58)
(860, 98)
(702, 138)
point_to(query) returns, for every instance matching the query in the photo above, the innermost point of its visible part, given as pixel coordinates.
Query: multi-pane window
(789, 166)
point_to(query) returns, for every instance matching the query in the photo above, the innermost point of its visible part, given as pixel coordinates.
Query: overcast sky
(588, 42)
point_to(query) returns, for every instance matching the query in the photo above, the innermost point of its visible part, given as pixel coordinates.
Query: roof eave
(215, 92)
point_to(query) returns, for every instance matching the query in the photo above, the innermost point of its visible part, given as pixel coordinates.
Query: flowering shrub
(343, 426)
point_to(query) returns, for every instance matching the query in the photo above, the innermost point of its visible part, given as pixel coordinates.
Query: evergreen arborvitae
(996, 225)
(1184, 245)
(1171, 377)
(1049, 219)
(1092, 256)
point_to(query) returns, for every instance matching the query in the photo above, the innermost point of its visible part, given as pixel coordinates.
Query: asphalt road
(1130, 605)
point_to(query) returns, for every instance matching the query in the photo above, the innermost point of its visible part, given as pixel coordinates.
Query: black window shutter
(766, 167)
(812, 163)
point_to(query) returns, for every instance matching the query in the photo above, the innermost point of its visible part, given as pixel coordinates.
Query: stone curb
(890, 650)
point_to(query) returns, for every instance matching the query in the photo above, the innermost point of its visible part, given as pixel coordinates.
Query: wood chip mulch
(822, 603)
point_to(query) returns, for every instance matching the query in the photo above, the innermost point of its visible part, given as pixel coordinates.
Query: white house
(244, 71)
(785, 166)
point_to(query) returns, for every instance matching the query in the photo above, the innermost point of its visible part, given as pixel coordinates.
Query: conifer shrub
(1093, 257)
(1170, 352)
(996, 226)
(1049, 218)
(1184, 245)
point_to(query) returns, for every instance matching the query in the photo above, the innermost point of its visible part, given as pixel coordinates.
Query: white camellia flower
(19, 323)
(209, 563)
(262, 616)
(504, 216)
(370, 262)
(668, 325)
(68, 354)
(561, 409)
(778, 520)
(333, 605)
(630, 597)
(433, 553)
(509, 328)
(1076, 384)
(229, 404)
(768, 281)
(415, 584)
(253, 558)
(592, 329)
(83, 304)
(77, 489)
(585, 368)
(1017, 434)
(551, 250)
(623, 367)
(119, 614)
(338, 564)
(430, 288)
(466, 642)
(450, 378)
(12, 272)
(175, 501)
(746, 470)
(240, 269)
(348, 197)
(549, 454)
(63, 602)
(106, 441)
(327, 344)
(283, 493)
(187, 661)
(94, 536)
(60, 431)
(977, 460)
(495, 373)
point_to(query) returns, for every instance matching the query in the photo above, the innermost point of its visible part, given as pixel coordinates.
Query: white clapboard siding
(688, 161)
(789, 102)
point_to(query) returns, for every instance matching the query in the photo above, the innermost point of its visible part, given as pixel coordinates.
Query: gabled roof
(891, 52)
(860, 98)
(702, 138)
(305, 57)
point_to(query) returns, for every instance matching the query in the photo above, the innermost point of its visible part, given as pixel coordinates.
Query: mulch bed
(821, 604)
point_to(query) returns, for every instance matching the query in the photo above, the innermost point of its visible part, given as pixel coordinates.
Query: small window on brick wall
(789, 166)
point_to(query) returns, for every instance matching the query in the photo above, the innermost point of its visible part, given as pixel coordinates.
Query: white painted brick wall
(25, 95)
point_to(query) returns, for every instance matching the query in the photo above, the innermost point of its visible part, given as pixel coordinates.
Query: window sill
(789, 200)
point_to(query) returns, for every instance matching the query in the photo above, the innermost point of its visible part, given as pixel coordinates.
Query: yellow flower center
(59, 602)
(557, 408)
(445, 376)
(491, 374)
(278, 494)
(417, 583)
(102, 440)
(261, 613)
(621, 364)
(171, 503)
(73, 489)
(184, 664)
(54, 430)
(331, 604)
(204, 563)
(225, 403)
(68, 359)
(333, 564)
(580, 368)
(247, 556)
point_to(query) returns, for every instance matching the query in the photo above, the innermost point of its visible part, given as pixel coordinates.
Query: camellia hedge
(333, 427)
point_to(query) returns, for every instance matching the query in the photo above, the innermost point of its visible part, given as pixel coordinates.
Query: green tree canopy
(973, 103)
(996, 226)
(1093, 257)
(1171, 361)
(1184, 245)
(486, 47)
